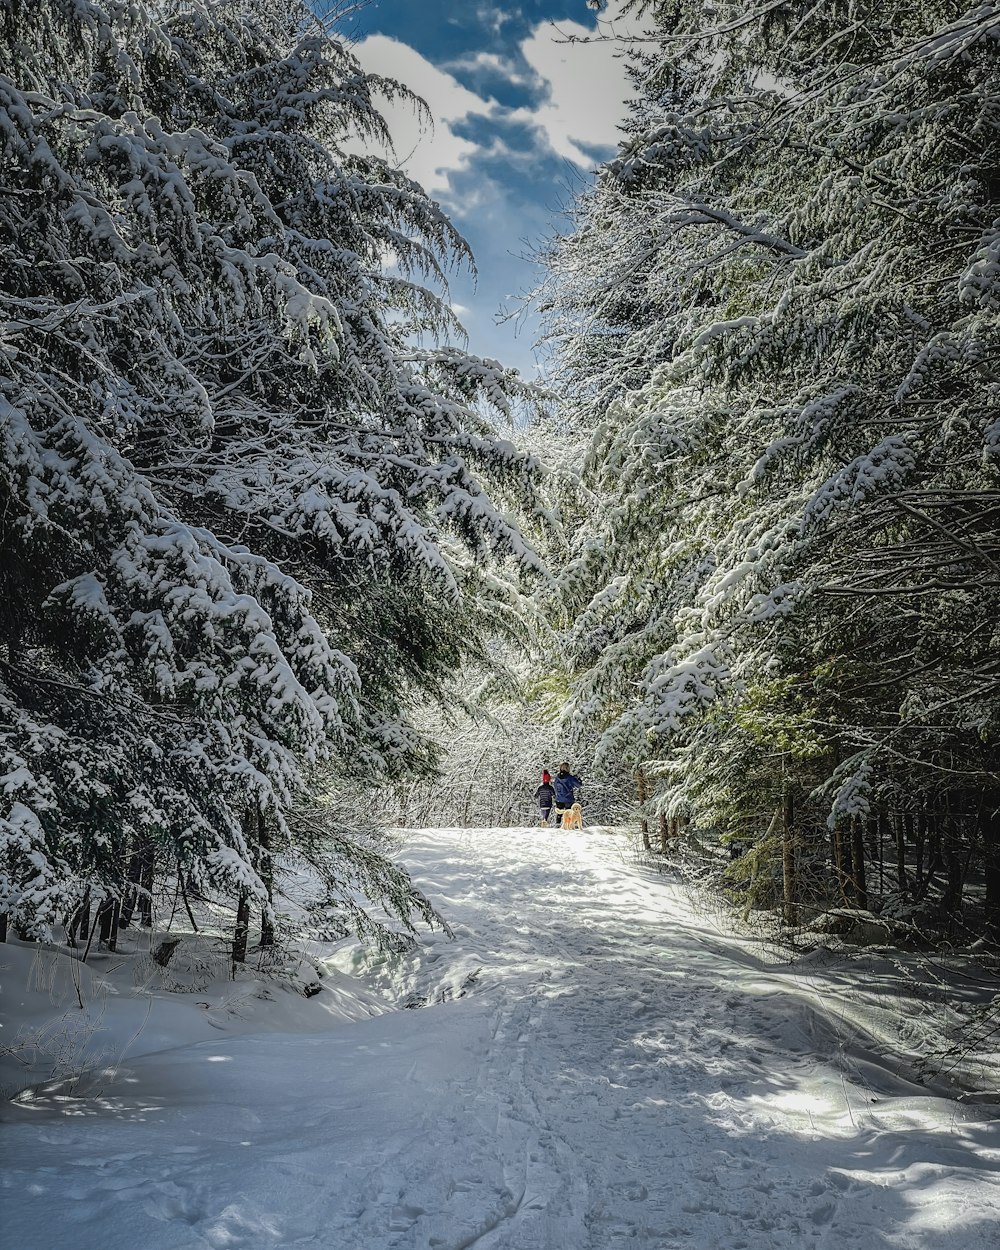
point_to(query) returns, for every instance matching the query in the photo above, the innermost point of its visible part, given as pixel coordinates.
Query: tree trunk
(858, 855)
(876, 828)
(934, 860)
(665, 831)
(187, 901)
(919, 839)
(468, 805)
(842, 861)
(640, 791)
(146, 889)
(951, 899)
(789, 911)
(3, 926)
(109, 913)
(142, 854)
(989, 825)
(267, 876)
(79, 925)
(897, 820)
(242, 930)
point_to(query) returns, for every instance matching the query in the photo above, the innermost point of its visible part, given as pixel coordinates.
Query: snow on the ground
(595, 1066)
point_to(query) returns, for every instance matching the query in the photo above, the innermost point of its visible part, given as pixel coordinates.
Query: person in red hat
(546, 795)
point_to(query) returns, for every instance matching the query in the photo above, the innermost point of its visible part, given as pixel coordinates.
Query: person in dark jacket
(545, 795)
(566, 785)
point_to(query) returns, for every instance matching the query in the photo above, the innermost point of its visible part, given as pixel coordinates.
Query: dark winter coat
(545, 795)
(565, 784)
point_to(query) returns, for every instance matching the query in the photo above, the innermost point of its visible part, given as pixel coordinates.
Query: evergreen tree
(253, 503)
(786, 608)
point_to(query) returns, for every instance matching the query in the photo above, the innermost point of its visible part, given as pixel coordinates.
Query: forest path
(597, 1068)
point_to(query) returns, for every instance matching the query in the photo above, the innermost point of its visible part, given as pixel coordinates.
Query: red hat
(546, 776)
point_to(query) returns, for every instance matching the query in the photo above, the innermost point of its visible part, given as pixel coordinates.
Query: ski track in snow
(615, 1072)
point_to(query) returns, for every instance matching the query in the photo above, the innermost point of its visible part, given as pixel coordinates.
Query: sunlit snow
(593, 1061)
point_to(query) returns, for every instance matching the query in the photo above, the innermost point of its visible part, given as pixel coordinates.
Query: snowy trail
(617, 1073)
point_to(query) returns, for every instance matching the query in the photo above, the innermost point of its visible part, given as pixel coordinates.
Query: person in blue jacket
(566, 785)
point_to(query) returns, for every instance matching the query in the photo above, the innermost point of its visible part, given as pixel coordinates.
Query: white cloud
(585, 89)
(493, 17)
(491, 65)
(427, 154)
(582, 86)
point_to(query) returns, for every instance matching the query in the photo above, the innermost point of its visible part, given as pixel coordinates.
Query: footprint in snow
(170, 1203)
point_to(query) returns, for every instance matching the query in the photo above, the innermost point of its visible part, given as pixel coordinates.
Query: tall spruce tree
(252, 504)
(786, 608)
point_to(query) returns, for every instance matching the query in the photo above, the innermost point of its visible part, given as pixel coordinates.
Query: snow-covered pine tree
(250, 509)
(788, 603)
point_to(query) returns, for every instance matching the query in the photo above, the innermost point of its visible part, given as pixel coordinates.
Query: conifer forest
(283, 561)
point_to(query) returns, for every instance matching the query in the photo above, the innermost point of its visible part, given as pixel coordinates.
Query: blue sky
(522, 117)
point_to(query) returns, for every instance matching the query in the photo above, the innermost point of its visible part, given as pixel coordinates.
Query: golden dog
(573, 819)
